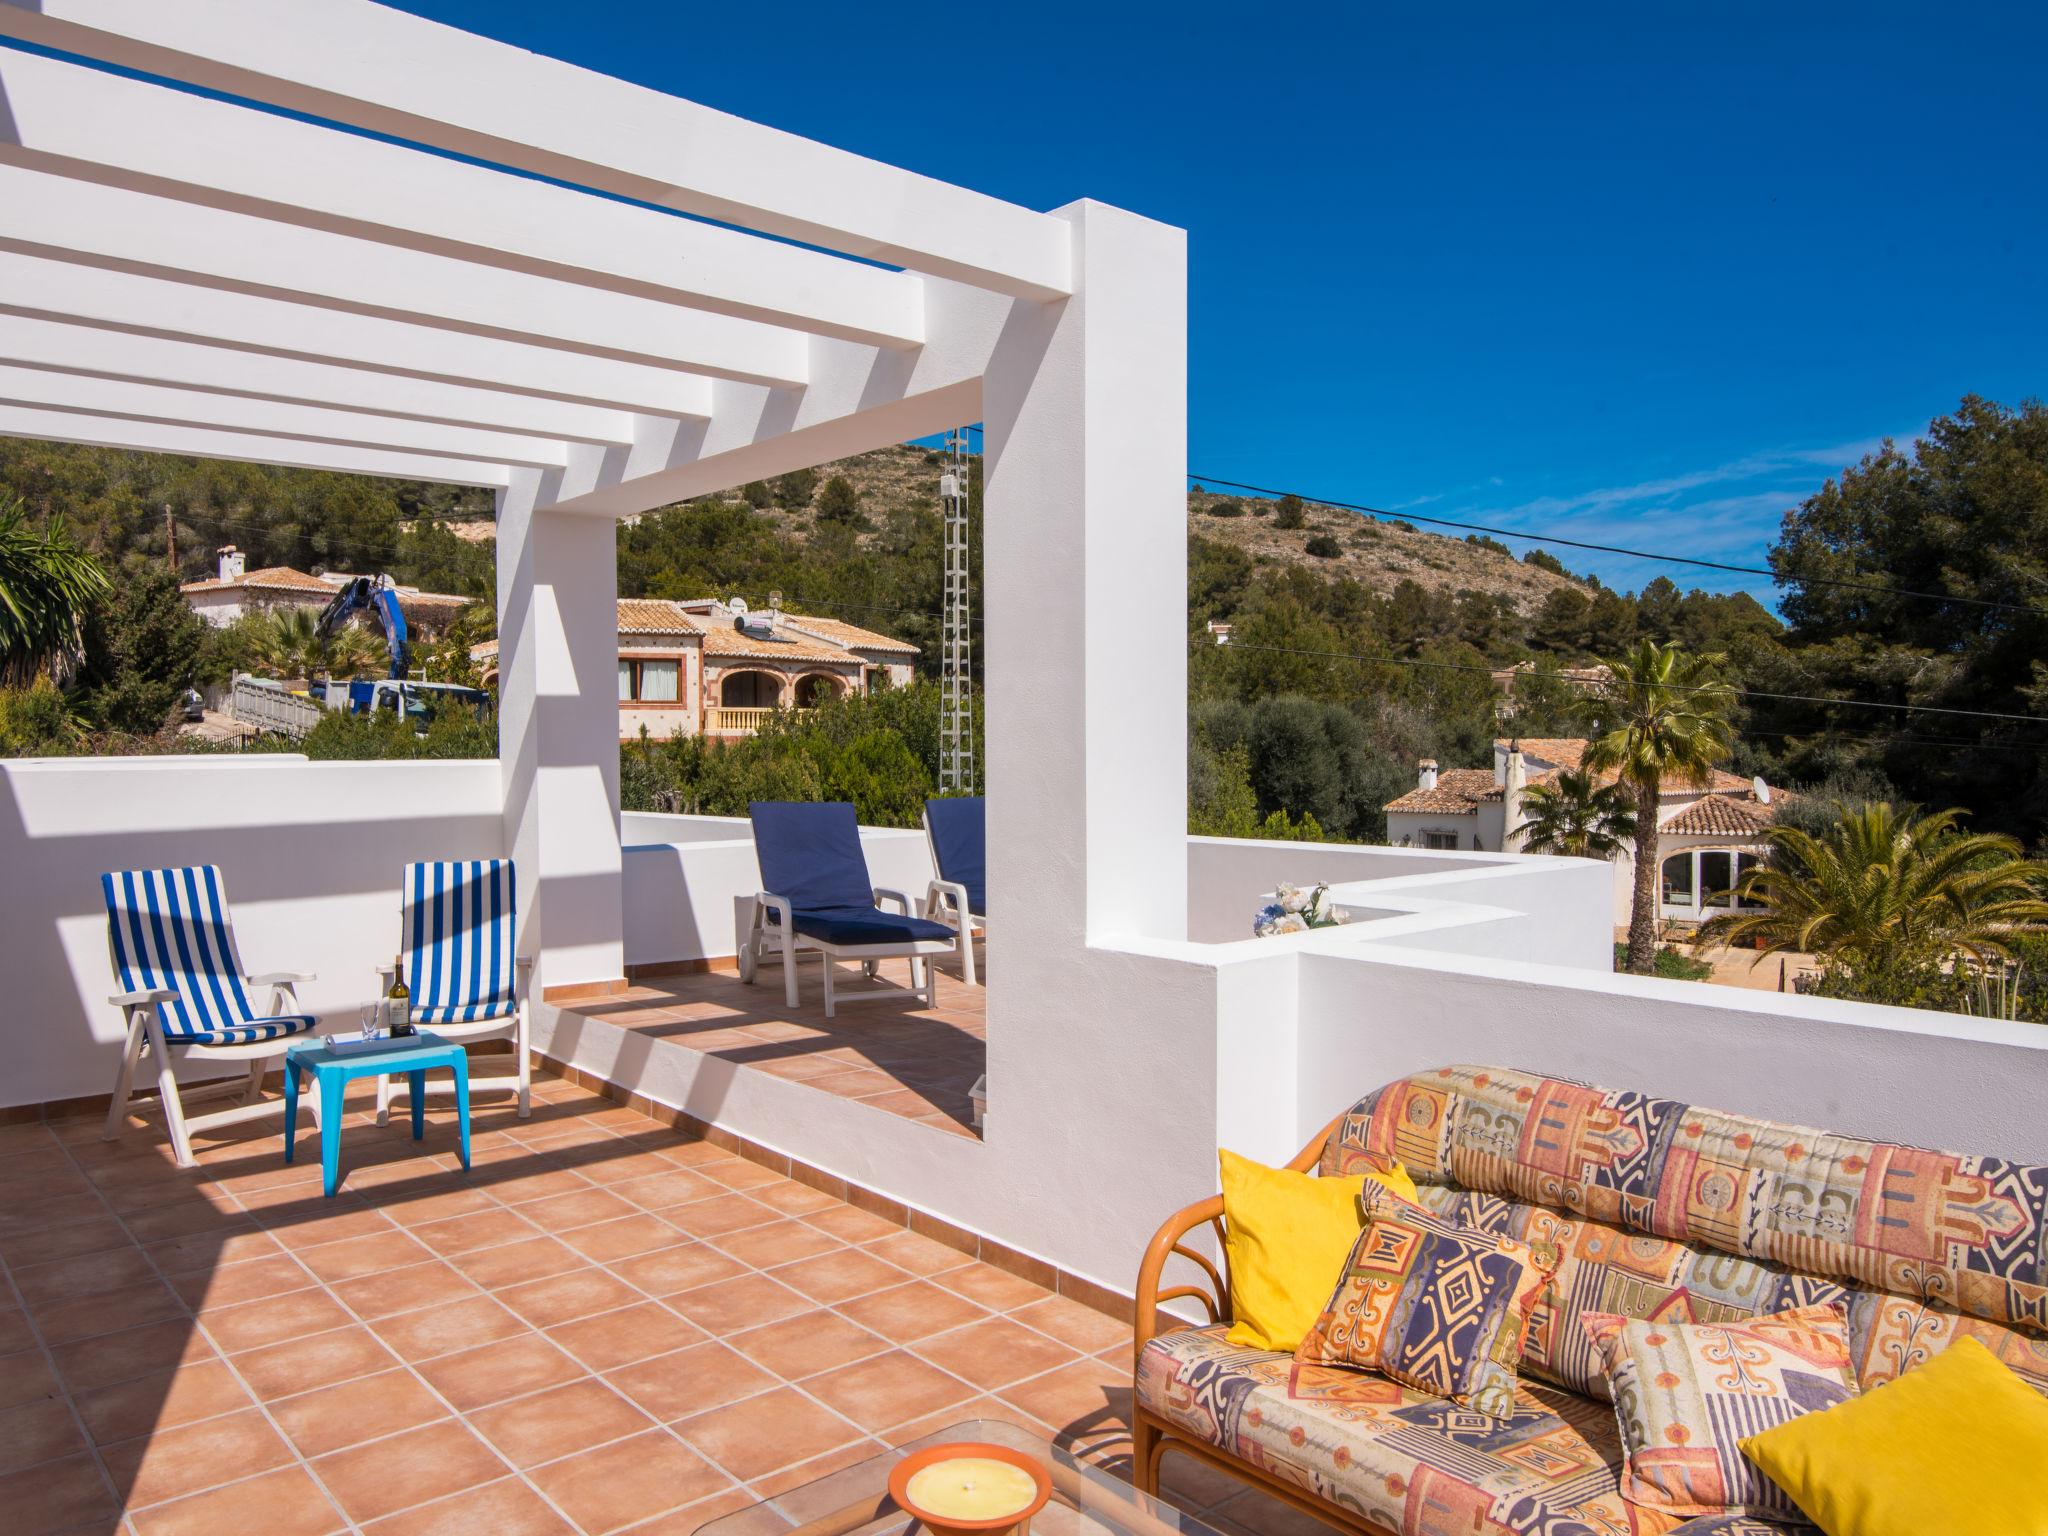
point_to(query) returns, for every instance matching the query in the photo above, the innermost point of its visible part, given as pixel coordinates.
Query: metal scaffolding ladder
(957, 774)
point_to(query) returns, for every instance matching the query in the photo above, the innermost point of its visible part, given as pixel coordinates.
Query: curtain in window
(658, 682)
(625, 681)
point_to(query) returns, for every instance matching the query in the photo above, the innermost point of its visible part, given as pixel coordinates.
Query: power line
(1745, 693)
(1617, 549)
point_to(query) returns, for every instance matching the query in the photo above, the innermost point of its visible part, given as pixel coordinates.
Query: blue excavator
(377, 595)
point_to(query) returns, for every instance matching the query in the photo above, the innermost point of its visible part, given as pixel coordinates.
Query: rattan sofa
(1637, 1199)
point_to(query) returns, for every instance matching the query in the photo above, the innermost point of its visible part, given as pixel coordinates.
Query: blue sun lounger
(958, 831)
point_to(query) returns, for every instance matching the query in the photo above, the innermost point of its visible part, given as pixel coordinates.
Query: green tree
(1665, 715)
(839, 502)
(287, 643)
(793, 490)
(1288, 512)
(37, 722)
(1323, 547)
(143, 648)
(1574, 814)
(1889, 900)
(46, 584)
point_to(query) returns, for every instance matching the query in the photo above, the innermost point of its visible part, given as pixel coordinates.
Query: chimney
(231, 562)
(1427, 778)
(1513, 780)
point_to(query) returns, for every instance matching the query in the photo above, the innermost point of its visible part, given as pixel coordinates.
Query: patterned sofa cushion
(1643, 1198)
(1394, 1457)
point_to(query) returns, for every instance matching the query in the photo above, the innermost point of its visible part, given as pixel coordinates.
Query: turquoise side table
(333, 1070)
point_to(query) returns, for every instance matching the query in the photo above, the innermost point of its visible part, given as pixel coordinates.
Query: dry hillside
(1378, 554)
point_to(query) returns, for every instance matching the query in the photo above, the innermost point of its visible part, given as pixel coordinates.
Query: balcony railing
(719, 721)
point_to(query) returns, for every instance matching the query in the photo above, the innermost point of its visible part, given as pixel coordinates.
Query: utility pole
(956, 647)
(170, 539)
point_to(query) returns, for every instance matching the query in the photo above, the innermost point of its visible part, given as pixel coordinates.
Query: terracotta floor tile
(483, 1229)
(577, 1208)
(40, 1429)
(231, 1284)
(170, 1463)
(692, 1518)
(794, 1199)
(993, 1288)
(669, 1270)
(887, 1389)
(807, 1344)
(850, 1224)
(534, 1258)
(613, 1339)
(369, 1254)
(627, 1482)
(25, 1375)
(68, 1495)
(505, 1508)
(404, 1290)
(442, 1330)
(286, 1502)
(745, 1301)
(912, 1311)
(386, 1476)
(752, 1438)
(833, 1277)
(182, 1220)
(95, 1234)
(85, 1317)
(724, 1213)
(211, 1250)
(414, 1209)
(742, 1174)
(320, 1360)
(994, 1353)
(132, 1352)
(690, 1381)
(566, 1297)
(1079, 1327)
(307, 1224)
(625, 1238)
(658, 1191)
(781, 1242)
(475, 1378)
(561, 1421)
(253, 1324)
(788, 1486)
(917, 1253)
(160, 1400)
(1088, 1394)
(336, 1417)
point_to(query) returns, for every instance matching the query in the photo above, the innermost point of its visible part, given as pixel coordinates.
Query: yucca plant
(46, 583)
(1890, 890)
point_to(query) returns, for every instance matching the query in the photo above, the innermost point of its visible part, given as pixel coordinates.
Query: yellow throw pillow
(1958, 1444)
(1287, 1236)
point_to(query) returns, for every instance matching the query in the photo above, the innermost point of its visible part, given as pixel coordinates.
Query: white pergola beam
(93, 353)
(46, 287)
(243, 447)
(377, 68)
(71, 120)
(170, 406)
(157, 236)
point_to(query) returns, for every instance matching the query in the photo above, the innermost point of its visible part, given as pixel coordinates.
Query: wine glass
(366, 1018)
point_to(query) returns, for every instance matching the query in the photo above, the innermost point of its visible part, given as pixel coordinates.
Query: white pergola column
(558, 731)
(1085, 570)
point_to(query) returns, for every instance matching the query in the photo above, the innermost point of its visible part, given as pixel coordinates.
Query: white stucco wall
(311, 854)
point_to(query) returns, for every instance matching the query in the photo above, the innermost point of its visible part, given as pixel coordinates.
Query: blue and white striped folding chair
(461, 965)
(185, 996)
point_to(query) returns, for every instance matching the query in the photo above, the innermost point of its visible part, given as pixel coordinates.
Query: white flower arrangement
(1297, 911)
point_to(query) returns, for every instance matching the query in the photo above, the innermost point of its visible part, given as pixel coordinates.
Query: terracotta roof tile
(1458, 792)
(1722, 816)
(653, 616)
(278, 578)
(851, 636)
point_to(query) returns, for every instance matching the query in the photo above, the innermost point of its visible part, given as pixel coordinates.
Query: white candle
(971, 1488)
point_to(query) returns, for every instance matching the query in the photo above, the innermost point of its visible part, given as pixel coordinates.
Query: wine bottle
(398, 1002)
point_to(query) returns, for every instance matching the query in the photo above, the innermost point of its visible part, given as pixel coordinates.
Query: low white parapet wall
(311, 854)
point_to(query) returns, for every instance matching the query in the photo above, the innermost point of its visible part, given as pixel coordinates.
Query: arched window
(816, 688)
(749, 690)
(1678, 883)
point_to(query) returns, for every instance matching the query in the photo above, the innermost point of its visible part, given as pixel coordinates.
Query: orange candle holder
(1018, 1520)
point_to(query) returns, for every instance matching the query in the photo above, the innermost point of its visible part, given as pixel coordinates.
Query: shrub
(1544, 560)
(839, 502)
(1671, 964)
(1323, 547)
(1226, 509)
(1288, 512)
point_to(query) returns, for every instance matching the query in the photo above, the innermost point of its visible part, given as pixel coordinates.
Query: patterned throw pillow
(1430, 1304)
(1685, 1394)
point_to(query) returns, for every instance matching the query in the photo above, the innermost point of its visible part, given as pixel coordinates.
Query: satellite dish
(738, 605)
(1760, 789)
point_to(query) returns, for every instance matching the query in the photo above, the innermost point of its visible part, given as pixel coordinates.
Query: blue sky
(1622, 275)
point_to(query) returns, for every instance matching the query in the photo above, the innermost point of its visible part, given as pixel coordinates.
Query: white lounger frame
(762, 939)
(511, 1026)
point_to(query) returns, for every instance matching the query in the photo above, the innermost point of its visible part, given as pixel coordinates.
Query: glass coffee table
(854, 1501)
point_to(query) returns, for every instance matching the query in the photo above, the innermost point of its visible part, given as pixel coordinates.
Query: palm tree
(286, 642)
(46, 583)
(1886, 888)
(1575, 815)
(1667, 720)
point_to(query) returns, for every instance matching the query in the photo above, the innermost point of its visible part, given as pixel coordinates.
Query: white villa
(714, 668)
(1708, 834)
(234, 591)
(743, 1250)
